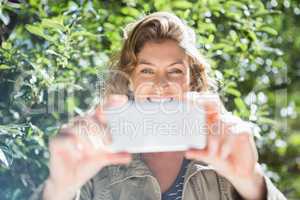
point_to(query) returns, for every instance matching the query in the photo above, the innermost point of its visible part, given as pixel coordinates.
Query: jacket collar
(138, 168)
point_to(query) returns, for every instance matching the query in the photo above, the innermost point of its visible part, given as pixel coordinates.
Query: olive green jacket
(136, 182)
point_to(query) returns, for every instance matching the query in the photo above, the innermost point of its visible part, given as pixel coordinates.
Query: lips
(160, 99)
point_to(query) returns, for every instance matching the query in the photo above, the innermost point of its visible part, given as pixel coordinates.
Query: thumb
(209, 102)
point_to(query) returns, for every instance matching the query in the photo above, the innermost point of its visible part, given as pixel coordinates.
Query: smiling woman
(144, 54)
(162, 71)
(158, 62)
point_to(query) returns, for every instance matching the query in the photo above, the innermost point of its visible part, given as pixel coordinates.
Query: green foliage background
(51, 48)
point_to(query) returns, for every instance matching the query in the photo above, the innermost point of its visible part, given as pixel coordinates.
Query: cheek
(142, 85)
(179, 83)
(182, 82)
(178, 86)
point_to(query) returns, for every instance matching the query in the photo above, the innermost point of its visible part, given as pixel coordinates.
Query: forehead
(166, 50)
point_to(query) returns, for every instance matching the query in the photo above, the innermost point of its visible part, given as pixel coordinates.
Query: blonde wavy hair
(157, 27)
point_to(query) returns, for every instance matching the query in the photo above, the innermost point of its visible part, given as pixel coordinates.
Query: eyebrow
(145, 62)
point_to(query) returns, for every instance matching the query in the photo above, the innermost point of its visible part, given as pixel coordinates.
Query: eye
(175, 71)
(147, 71)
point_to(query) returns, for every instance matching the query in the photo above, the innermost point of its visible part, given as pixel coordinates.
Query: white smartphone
(156, 127)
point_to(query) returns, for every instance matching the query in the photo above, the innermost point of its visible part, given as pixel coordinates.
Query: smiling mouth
(160, 100)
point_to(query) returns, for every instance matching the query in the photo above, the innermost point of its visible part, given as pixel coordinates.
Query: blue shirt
(175, 191)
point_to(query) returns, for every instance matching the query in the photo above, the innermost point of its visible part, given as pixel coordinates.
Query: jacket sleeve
(230, 192)
(97, 184)
(272, 192)
(86, 192)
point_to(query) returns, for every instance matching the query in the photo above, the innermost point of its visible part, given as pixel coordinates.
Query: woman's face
(162, 72)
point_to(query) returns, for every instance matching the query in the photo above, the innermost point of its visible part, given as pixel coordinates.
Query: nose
(161, 82)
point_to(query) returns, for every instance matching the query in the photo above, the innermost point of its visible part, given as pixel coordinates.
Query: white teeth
(162, 100)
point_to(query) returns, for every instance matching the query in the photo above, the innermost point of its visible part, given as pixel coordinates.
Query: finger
(230, 119)
(227, 121)
(197, 154)
(63, 149)
(69, 148)
(210, 153)
(90, 130)
(99, 134)
(211, 104)
(220, 141)
(246, 138)
(99, 116)
(241, 127)
(212, 110)
(239, 134)
(227, 146)
(112, 101)
(105, 158)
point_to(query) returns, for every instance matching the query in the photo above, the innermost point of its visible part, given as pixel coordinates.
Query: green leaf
(162, 6)
(294, 139)
(4, 17)
(265, 120)
(252, 35)
(4, 67)
(233, 92)
(3, 159)
(266, 12)
(13, 5)
(37, 30)
(268, 30)
(49, 51)
(182, 4)
(83, 33)
(6, 45)
(49, 23)
(229, 73)
(230, 4)
(219, 46)
(241, 106)
(130, 11)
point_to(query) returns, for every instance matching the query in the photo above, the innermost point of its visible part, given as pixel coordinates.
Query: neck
(165, 166)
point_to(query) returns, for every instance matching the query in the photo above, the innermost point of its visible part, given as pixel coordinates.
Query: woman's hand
(230, 149)
(79, 152)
